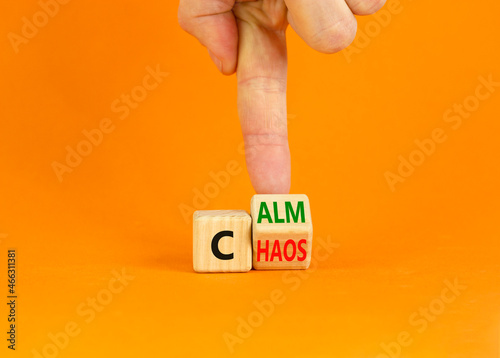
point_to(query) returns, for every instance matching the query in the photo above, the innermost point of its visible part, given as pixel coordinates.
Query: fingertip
(269, 169)
(227, 68)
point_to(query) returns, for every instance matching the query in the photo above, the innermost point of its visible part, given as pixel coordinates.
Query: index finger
(262, 80)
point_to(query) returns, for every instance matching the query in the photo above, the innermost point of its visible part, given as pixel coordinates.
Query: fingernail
(217, 62)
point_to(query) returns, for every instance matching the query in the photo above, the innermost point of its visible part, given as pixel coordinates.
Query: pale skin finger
(262, 78)
(327, 26)
(213, 24)
(261, 54)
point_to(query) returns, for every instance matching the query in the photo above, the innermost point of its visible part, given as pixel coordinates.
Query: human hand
(248, 37)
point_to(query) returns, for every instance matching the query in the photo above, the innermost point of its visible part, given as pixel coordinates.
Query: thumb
(262, 78)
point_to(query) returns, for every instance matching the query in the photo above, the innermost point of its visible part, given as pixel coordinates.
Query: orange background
(349, 122)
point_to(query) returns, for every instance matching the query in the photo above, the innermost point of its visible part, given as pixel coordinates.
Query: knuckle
(259, 140)
(335, 37)
(264, 84)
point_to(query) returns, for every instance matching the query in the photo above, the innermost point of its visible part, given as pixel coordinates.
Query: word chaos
(276, 236)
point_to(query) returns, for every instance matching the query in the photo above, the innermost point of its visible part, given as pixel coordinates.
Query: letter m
(295, 215)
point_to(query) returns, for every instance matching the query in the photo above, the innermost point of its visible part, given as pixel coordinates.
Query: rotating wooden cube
(281, 232)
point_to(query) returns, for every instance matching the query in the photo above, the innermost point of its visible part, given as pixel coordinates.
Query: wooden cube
(282, 232)
(222, 241)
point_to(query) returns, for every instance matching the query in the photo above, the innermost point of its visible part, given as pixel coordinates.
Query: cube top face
(282, 232)
(222, 241)
(208, 214)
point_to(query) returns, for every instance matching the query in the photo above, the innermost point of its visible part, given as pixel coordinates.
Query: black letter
(215, 245)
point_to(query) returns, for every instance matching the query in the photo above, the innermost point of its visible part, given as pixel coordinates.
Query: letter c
(215, 246)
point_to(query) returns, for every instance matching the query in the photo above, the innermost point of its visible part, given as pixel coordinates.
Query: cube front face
(282, 232)
(222, 241)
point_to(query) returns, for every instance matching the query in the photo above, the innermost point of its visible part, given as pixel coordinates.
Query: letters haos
(291, 250)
